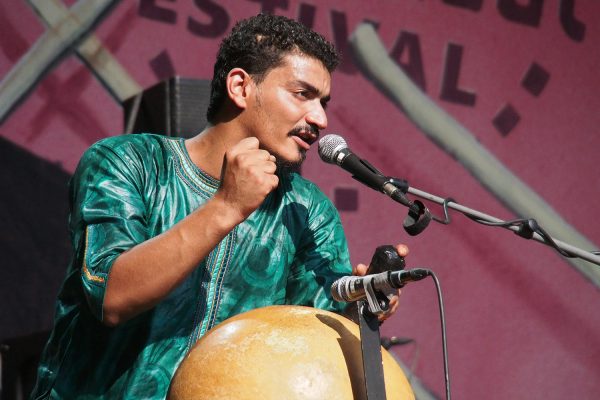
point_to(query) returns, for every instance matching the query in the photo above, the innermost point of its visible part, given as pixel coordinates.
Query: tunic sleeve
(107, 214)
(321, 258)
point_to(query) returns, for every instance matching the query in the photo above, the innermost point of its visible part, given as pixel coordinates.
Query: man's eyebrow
(313, 89)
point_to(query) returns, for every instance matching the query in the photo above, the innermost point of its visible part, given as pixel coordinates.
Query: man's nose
(317, 116)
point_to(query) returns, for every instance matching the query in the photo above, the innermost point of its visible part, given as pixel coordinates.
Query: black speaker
(174, 107)
(34, 252)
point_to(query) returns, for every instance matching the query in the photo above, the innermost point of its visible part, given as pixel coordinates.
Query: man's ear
(239, 87)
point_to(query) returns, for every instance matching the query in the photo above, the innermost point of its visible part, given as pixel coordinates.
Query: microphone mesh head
(335, 290)
(339, 289)
(330, 146)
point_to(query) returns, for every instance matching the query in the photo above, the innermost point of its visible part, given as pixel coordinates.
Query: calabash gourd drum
(282, 353)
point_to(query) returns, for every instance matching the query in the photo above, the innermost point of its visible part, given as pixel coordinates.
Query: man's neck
(208, 147)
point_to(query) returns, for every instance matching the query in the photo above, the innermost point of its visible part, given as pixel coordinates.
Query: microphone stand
(370, 344)
(527, 229)
(384, 259)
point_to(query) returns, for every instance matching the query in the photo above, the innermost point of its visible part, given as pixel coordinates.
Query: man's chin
(287, 166)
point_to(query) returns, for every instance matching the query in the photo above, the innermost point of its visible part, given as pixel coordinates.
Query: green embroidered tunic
(128, 189)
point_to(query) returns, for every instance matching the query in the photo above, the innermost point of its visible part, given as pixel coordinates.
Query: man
(172, 237)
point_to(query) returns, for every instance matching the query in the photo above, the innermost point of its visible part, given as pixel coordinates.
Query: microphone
(334, 150)
(353, 288)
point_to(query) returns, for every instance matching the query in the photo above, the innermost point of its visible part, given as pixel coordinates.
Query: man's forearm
(144, 275)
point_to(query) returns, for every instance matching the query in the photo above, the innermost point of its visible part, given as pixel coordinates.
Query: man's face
(288, 109)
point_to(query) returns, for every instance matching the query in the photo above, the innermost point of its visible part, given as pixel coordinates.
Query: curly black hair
(258, 44)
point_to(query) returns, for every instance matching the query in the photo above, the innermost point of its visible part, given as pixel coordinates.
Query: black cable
(526, 228)
(443, 326)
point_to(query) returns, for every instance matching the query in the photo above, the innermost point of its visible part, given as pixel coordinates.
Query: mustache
(305, 128)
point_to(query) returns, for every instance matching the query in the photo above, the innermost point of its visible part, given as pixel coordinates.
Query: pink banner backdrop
(521, 76)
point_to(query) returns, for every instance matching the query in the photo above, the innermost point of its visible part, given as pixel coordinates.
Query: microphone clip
(377, 301)
(419, 216)
(385, 260)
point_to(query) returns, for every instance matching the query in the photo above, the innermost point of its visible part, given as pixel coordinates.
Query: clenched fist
(247, 176)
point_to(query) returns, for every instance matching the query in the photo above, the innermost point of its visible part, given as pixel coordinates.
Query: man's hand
(361, 270)
(247, 176)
